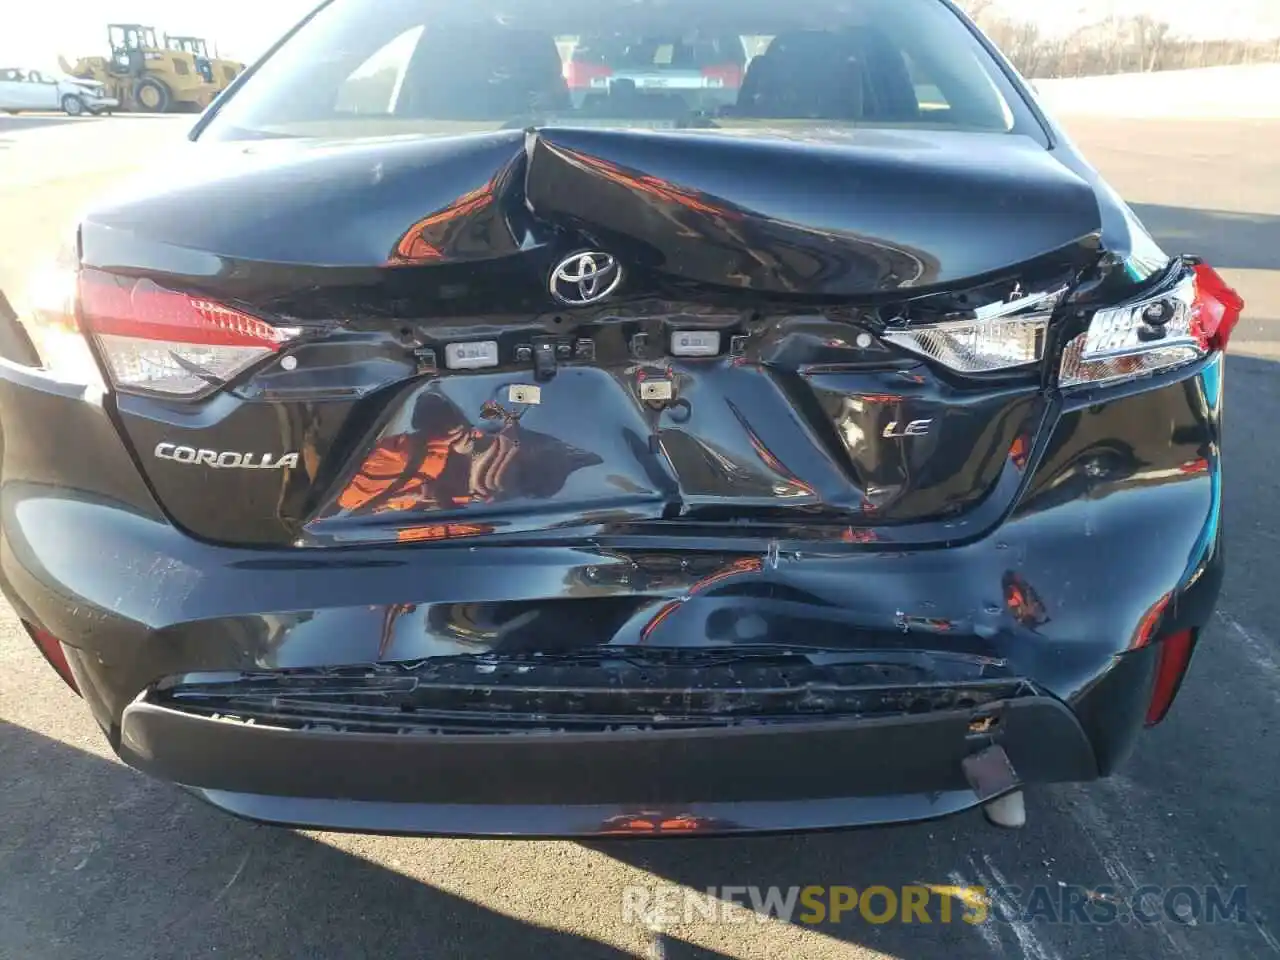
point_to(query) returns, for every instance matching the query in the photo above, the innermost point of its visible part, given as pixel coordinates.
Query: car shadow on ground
(1226, 240)
(99, 861)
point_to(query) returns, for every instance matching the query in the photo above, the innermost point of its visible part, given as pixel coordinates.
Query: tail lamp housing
(1189, 316)
(151, 340)
(160, 341)
(1177, 324)
(1000, 336)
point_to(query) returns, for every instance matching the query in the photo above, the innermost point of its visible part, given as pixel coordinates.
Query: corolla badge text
(225, 459)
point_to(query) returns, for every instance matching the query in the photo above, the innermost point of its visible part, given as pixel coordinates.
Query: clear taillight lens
(979, 347)
(1167, 329)
(1001, 336)
(155, 340)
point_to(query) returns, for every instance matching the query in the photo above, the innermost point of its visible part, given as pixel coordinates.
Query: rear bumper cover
(791, 776)
(1108, 547)
(637, 741)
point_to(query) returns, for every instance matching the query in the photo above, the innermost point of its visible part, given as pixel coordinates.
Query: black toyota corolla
(543, 417)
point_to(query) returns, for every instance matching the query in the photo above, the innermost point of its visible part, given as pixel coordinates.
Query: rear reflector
(161, 341)
(1173, 658)
(53, 653)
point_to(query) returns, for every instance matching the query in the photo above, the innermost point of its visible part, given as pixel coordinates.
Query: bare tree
(1114, 45)
(1151, 37)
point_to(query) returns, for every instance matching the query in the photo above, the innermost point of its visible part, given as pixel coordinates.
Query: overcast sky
(34, 32)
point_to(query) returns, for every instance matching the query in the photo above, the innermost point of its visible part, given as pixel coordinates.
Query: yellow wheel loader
(145, 76)
(220, 71)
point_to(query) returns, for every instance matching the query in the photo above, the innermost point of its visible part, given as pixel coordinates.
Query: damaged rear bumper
(1053, 617)
(620, 746)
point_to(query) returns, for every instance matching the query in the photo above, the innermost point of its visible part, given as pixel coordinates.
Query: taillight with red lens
(1174, 326)
(728, 75)
(155, 340)
(1173, 658)
(587, 76)
(1218, 308)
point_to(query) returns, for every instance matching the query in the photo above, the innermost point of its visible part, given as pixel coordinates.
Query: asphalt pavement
(97, 861)
(33, 121)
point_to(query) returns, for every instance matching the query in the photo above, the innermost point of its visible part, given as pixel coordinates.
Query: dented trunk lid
(777, 254)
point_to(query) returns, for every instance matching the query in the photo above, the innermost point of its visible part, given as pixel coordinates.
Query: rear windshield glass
(380, 67)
